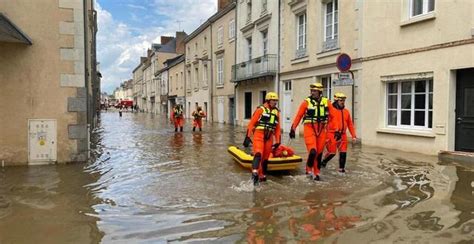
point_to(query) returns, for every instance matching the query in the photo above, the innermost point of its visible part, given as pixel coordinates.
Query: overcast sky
(128, 27)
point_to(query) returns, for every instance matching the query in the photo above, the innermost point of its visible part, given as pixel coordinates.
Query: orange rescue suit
(263, 137)
(314, 130)
(177, 118)
(339, 121)
(198, 115)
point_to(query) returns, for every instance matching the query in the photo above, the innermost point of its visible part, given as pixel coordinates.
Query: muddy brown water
(147, 184)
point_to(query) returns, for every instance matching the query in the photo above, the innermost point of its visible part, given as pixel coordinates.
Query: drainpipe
(86, 75)
(236, 102)
(211, 102)
(279, 53)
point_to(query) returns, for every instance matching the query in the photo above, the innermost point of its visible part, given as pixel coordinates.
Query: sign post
(346, 77)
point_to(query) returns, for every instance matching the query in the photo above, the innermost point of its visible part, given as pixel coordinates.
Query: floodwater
(148, 184)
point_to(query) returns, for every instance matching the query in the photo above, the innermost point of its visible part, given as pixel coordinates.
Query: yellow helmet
(271, 96)
(339, 96)
(316, 86)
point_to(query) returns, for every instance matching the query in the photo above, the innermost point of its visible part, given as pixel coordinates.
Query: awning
(9, 32)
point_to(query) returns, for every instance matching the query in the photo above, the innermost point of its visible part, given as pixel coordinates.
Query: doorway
(465, 110)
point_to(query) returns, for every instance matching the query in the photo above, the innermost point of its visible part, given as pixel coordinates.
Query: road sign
(344, 62)
(345, 79)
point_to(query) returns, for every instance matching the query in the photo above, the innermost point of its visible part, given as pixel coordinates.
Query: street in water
(146, 183)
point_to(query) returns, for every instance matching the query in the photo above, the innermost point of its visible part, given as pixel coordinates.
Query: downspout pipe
(211, 90)
(236, 102)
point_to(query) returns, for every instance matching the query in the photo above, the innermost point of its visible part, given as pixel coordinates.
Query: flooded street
(149, 184)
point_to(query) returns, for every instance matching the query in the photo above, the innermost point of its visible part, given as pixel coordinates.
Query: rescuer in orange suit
(339, 121)
(177, 117)
(198, 115)
(265, 124)
(314, 112)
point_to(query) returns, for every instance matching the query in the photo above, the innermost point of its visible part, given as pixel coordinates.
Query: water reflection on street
(150, 184)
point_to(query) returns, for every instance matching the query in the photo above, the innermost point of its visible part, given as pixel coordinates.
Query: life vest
(198, 114)
(316, 112)
(178, 112)
(268, 120)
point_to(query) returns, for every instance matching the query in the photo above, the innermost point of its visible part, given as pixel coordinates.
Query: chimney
(165, 39)
(221, 4)
(180, 36)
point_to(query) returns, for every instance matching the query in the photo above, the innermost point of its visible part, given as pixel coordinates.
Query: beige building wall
(316, 61)
(177, 82)
(431, 46)
(138, 86)
(254, 18)
(45, 80)
(198, 69)
(223, 56)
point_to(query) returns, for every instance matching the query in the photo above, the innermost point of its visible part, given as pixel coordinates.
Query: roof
(169, 47)
(209, 21)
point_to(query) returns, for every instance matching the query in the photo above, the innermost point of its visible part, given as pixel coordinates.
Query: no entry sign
(344, 62)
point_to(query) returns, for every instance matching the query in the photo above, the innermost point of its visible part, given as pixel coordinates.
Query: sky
(127, 28)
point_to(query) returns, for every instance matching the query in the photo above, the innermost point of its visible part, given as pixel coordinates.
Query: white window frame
(205, 75)
(220, 35)
(265, 41)
(301, 46)
(220, 72)
(327, 86)
(249, 48)
(412, 109)
(177, 81)
(424, 10)
(249, 12)
(232, 29)
(334, 20)
(331, 42)
(196, 77)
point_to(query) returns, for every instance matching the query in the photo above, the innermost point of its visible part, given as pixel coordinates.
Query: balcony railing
(330, 44)
(254, 68)
(300, 53)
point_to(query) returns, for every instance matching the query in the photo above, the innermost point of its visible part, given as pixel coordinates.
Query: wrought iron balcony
(300, 53)
(330, 44)
(258, 67)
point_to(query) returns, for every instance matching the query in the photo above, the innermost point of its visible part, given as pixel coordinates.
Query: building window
(264, 6)
(420, 7)
(196, 78)
(220, 71)
(263, 94)
(301, 36)
(190, 82)
(249, 12)
(265, 42)
(410, 104)
(204, 41)
(171, 84)
(249, 48)
(220, 36)
(181, 81)
(204, 75)
(196, 46)
(177, 80)
(231, 29)
(248, 105)
(288, 86)
(326, 81)
(331, 25)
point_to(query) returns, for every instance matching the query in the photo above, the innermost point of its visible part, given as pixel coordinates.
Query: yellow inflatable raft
(274, 164)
